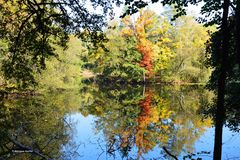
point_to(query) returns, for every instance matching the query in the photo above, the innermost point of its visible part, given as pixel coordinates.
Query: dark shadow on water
(34, 128)
(229, 115)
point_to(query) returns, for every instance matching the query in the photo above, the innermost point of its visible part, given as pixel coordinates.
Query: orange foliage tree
(152, 40)
(144, 46)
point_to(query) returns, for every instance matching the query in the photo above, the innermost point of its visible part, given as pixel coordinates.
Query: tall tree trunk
(237, 31)
(220, 111)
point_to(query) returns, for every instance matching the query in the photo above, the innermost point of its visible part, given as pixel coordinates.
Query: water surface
(112, 122)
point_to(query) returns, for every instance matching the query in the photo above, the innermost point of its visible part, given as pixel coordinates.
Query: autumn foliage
(144, 46)
(150, 33)
(146, 62)
(145, 118)
(151, 115)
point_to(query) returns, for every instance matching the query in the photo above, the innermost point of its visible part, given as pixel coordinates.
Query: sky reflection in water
(85, 134)
(106, 122)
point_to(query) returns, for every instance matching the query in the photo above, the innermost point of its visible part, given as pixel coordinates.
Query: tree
(189, 63)
(134, 48)
(152, 34)
(117, 60)
(64, 71)
(31, 28)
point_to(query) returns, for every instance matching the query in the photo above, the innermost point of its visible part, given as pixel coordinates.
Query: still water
(113, 122)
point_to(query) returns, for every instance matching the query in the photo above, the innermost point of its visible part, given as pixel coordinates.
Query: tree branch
(170, 154)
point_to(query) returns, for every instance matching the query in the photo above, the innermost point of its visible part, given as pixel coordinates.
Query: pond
(113, 122)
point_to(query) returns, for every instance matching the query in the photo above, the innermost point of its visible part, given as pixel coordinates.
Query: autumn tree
(152, 34)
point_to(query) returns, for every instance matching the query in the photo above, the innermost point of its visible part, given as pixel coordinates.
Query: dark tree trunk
(237, 31)
(220, 111)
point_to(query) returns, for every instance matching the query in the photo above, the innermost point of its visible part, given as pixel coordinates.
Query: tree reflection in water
(144, 118)
(136, 121)
(34, 128)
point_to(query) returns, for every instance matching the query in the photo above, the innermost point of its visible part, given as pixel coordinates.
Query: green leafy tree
(33, 28)
(118, 60)
(64, 71)
(189, 63)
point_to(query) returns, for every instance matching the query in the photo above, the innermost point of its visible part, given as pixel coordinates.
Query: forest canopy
(151, 48)
(33, 31)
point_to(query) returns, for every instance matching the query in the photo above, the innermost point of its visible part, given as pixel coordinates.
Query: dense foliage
(150, 48)
(32, 31)
(33, 28)
(65, 70)
(189, 63)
